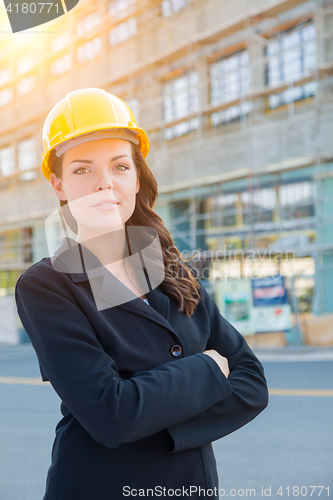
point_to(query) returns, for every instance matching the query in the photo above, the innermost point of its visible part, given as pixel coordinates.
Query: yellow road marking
(301, 392)
(23, 380)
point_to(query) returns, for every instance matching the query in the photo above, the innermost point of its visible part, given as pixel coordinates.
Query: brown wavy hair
(180, 282)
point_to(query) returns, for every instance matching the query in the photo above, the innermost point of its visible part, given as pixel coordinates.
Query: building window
(230, 78)
(61, 65)
(7, 161)
(27, 244)
(60, 41)
(123, 32)
(5, 76)
(25, 64)
(27, 157)
(181, 128)
(297, 200)
(119, 9)
(9, 246)
(291, 55)
(88, 23)
(181, 98)
(25, 86)
(6, 95)
(89, 50)
(134, 106)
(171, 6)
(222, 210)
(258, 206)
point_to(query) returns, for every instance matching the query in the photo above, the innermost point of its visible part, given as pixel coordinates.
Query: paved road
(290, 444)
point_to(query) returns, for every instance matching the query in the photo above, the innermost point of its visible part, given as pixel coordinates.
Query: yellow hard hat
(87, 110)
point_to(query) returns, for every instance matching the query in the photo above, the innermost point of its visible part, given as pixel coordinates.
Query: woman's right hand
(220, 360)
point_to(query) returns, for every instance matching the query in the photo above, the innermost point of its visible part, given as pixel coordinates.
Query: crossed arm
(116, 411)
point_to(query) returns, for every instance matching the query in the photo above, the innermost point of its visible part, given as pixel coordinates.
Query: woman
(148, 371)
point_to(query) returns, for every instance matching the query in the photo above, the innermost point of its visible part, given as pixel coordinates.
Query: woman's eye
(127, 168)
(85, 168)
(81, 168)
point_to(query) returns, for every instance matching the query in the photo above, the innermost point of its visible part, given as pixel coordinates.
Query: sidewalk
(24, 350)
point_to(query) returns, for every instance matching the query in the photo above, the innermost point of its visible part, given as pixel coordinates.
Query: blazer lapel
(157, 310)
(82, 265)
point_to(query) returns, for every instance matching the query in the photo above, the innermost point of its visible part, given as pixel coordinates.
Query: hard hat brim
(143, 143)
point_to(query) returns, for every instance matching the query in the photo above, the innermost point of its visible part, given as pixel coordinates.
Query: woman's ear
(57, 187)
(137, 186)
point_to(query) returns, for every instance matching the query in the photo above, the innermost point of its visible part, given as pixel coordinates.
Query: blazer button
(176, 350)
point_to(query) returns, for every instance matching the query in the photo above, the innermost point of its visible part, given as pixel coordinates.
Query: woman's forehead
(98, 148)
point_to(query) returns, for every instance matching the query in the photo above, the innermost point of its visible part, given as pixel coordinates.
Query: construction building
(236, 97)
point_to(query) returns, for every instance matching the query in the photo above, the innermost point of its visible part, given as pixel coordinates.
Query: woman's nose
(104, 182)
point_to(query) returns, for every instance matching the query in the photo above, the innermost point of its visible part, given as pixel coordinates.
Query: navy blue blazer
(141, 403)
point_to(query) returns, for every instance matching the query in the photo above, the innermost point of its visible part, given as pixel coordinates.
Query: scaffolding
(163, 49)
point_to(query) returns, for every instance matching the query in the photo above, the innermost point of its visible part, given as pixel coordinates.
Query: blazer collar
(80, 264)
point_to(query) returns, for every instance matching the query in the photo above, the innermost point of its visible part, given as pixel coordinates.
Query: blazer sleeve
(249, 395)
(112, 410)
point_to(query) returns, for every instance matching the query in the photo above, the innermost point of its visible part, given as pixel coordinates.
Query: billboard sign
(271, 310)
(234, 299)
(269, 291)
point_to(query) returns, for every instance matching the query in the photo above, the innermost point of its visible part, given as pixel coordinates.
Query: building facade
(237, 101)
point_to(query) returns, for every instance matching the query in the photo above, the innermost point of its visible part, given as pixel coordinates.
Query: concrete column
(322, 302)
(39, 244)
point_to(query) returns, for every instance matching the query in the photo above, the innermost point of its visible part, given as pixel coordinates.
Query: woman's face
(93, 174)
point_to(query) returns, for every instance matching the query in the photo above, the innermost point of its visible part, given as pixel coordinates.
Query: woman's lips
(106, 207)
(106, 204)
